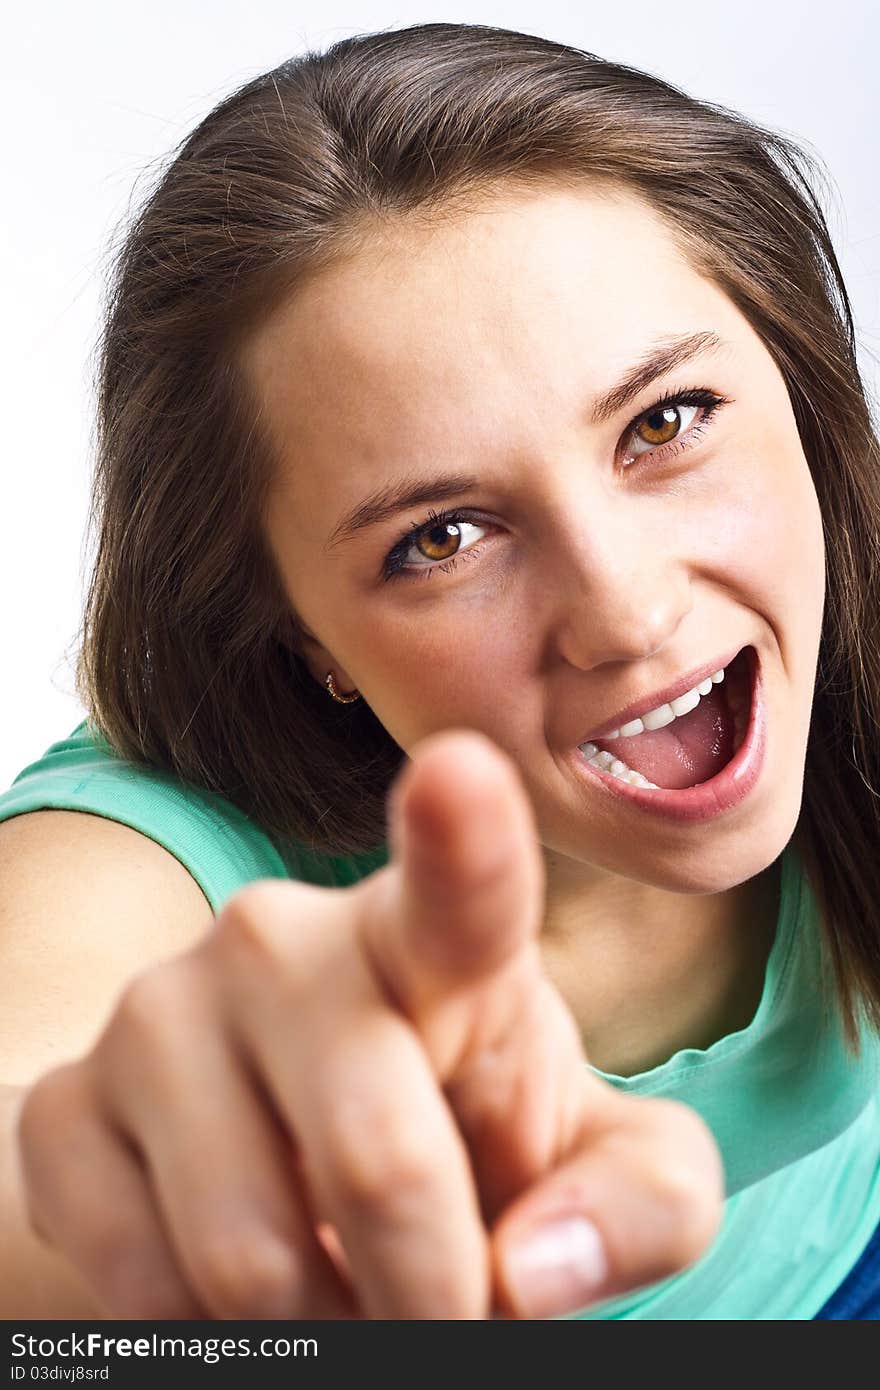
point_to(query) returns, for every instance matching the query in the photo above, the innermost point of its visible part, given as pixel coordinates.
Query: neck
(647, 972)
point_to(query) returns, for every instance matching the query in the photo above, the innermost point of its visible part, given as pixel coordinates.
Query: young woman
(480, 423)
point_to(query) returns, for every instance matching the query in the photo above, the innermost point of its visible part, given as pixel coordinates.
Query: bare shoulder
(86, 903)
(82, 854)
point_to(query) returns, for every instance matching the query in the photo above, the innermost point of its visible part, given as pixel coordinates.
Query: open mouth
(693, 747)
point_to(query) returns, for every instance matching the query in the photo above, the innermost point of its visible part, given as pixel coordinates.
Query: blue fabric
(858, 1297)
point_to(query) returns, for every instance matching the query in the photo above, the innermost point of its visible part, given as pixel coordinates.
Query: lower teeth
(739, 702)
(608, 763)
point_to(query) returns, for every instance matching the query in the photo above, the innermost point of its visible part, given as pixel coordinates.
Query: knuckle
(147, 1003)
(381, 1159)
(256, 920)
(145, 1029)
(246, 930)
(46, 1111)
(243, 1275)
(162, 1020)
(36, 1116)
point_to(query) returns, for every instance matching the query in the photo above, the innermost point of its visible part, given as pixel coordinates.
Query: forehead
(448, 329)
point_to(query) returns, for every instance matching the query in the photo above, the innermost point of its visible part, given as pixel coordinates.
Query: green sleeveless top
(796, 1117)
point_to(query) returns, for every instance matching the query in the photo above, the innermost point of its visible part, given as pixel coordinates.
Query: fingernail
(558, 1268)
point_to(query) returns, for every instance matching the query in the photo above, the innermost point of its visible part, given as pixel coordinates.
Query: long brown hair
(189, 654)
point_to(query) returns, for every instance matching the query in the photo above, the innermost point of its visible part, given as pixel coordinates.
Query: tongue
(693, 748)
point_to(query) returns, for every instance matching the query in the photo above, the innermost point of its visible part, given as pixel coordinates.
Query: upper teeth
(664, 714)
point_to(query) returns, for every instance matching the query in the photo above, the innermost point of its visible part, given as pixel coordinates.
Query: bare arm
(86, 903)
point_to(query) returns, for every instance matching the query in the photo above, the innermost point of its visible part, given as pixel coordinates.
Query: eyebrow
(661, 357)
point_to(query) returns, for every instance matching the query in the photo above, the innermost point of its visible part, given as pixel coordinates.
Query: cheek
(441, 665)
(767, 531)
(789, 523)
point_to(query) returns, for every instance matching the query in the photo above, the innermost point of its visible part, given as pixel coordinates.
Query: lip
(661, 697)
(721, 793)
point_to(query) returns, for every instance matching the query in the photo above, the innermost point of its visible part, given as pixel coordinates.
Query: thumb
(642, 1198)
(459, 907)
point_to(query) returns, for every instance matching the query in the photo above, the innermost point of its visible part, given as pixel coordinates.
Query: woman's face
(596, 559)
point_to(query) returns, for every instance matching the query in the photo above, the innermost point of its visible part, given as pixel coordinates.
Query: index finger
(451, 924)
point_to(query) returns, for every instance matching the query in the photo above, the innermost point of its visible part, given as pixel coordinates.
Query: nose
(626, 591)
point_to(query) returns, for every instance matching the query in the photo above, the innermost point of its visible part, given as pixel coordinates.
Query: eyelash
(395, 565)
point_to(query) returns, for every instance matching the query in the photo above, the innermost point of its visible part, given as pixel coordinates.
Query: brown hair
(189, 654)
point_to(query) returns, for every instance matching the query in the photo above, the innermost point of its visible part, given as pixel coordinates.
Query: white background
(95, 93)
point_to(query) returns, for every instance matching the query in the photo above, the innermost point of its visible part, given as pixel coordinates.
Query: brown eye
(436, 543)
(439, 542)
(662, 425)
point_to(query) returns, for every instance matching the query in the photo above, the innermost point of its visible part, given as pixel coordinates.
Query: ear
(317, 658)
